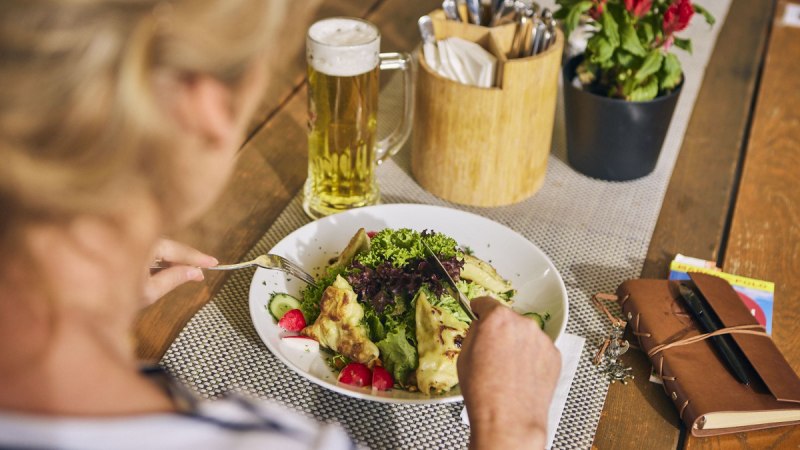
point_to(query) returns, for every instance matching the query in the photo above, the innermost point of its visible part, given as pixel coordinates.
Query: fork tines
(293, 268)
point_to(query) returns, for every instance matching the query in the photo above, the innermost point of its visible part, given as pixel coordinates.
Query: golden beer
(343, 152)
(341, 140)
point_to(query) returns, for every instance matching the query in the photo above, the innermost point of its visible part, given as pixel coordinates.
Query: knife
(474, 11)
(429, 48)
(707, 325)
(462, 299)
(503, 13)
(520, 45)
(450, 8)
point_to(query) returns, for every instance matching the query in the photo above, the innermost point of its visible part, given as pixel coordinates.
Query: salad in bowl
(383, 314)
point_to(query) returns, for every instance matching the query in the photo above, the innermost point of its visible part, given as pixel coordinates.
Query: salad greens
(394, 266)
(311, 295)
(404, 246)
(389, 270)
(398, 355)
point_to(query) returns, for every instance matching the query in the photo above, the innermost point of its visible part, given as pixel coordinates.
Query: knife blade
(450, 8)
(474, 11)
(462, 299)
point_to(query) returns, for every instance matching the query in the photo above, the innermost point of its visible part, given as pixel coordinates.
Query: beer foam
(342, 47)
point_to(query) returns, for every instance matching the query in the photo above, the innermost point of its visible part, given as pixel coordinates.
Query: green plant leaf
(610, 28)
(564, 6)
(646, 33)
(624, 59)
(641, 92)
(706, 15)
(630, 41)
(650, 65)
(574, 16)
(599, 49)
(684, 44)
(670, 74)
(561, 13)
(586, 72)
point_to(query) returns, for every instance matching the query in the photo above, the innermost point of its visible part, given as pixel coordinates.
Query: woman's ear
(204, 106)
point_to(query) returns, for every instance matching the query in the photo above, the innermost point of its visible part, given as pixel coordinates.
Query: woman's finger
(168, 279)
(176, 253)
(483, 305)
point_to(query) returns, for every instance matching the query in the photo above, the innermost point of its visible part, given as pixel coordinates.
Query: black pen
(708, 325)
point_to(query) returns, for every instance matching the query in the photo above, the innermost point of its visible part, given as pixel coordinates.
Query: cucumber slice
(538, 318)
(281, 303)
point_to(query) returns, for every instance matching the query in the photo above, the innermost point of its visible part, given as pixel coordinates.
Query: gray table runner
(597, 234)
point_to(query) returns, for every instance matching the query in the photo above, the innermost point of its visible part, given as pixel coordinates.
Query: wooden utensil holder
(485, 146)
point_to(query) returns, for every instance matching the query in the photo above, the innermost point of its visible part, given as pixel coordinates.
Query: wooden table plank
(764, 240)
(693, 216)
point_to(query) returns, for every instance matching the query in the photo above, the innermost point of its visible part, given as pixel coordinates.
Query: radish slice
(381, 379)
(300, 343)
(356, 374)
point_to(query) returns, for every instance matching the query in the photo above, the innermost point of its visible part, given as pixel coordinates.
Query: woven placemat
(597, 234)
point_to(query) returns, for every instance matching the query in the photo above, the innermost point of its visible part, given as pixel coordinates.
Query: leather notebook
(709, 399)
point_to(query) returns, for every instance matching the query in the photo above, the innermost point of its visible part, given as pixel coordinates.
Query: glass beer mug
(343, 65)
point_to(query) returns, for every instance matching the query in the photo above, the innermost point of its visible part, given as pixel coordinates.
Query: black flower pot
(614, 139)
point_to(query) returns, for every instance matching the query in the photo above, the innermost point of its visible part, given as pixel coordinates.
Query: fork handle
(230, 266)
(221, 267)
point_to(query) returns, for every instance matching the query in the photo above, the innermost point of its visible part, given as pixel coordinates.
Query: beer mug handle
(390, 145)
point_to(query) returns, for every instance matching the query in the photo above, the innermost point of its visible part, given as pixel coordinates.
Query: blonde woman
(119, 122)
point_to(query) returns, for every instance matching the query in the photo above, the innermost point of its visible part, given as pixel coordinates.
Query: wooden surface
(764, 239)
(695, 216)
(694, 212)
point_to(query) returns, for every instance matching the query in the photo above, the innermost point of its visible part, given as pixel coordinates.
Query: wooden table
(734, 196)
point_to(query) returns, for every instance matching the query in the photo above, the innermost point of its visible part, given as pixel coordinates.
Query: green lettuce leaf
(446, 301)
(312, 294)
(398, 355)
(403, 245)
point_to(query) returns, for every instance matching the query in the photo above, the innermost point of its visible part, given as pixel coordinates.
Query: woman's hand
(507, 370)
(183, 264)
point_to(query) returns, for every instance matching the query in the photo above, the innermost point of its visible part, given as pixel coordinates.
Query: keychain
(614, 346)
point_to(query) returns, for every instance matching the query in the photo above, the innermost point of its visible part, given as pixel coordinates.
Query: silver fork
(270, 261)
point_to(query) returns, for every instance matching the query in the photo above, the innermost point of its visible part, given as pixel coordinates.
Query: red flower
(597, 9)
(638, 7)
(677, 16)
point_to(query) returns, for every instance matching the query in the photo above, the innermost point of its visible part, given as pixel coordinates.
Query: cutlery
(462, 299)
(538, 37)
(450, 8)
(521, 44)
(474, 11)
(268, 261)
(550, 22)
(429, 49)
(503, 12)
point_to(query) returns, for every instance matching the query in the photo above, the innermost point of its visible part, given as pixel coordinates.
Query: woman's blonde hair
(80, 120)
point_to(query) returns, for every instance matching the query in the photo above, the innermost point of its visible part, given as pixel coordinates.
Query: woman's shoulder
(230, 423)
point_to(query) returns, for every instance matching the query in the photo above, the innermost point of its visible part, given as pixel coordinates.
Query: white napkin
(463, 61)
(571, 347)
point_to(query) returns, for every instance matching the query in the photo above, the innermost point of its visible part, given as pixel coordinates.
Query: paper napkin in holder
(484, 146)
(463, 61)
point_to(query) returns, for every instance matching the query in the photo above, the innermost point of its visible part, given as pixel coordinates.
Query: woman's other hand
(182, 264)
(507, 370)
